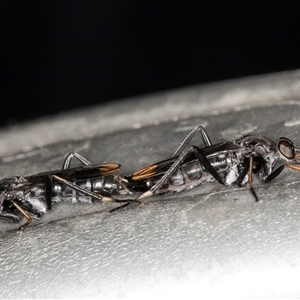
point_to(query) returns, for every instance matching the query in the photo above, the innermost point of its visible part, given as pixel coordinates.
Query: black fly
(34, 195)
(228, 162)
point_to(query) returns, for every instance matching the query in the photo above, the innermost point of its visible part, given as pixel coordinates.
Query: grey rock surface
(212, 241)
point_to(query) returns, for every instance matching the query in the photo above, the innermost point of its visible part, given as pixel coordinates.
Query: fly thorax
(232, 171)
(266, 160)
(38, 204)
(18, 195)
(37, 192)
(57, 190)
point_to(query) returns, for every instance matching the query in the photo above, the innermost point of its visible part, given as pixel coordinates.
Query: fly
(34, 195)
(229, 162)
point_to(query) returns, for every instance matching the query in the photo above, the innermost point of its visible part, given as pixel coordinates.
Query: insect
(227, 162)
(34, 195)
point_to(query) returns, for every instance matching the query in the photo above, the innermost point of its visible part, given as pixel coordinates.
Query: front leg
(24, 213)
(276, 172)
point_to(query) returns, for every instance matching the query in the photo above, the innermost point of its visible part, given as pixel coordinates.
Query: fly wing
(162, 166)
(154, 169)
(109, 168)
(78, 173)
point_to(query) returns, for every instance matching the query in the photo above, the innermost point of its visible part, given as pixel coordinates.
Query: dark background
(59, 55)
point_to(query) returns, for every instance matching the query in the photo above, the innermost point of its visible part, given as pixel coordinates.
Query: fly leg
(250, 178)
(190, 136)
(127, 203)
(24, 213)
(48, 191)
(198, 154)
(276, 172)
(8, 215)
(243, 173)
(67, 161)
(248, 169)
(11, 215)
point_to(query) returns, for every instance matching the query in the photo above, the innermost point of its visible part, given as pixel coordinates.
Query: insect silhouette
(34, 195)
(228, 162)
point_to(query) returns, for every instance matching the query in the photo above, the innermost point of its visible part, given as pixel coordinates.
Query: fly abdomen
(186, 177)
(102, 185)
(105, 183)
(193, 171)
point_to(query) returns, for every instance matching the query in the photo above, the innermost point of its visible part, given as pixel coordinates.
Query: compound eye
(286, 148)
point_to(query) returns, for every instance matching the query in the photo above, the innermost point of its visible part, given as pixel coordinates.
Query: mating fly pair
(228, 162)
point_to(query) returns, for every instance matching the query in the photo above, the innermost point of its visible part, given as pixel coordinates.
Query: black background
(59, 55)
